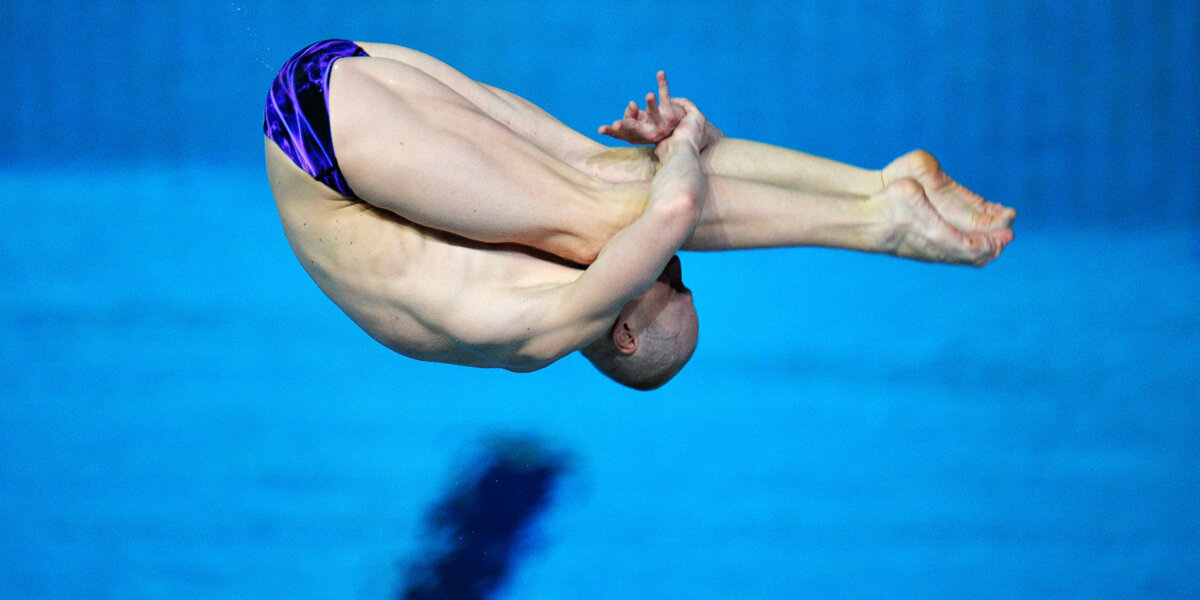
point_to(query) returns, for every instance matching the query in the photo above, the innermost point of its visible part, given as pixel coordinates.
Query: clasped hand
(662, 117)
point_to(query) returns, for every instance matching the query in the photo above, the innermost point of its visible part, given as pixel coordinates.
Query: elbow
(526, 367)
(530, 361)
(691, 199)
(539, 353)
(682, 209)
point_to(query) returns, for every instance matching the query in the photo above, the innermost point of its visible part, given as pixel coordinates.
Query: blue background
(185, 415)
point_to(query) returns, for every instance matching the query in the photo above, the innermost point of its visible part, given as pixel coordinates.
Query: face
(658, 330)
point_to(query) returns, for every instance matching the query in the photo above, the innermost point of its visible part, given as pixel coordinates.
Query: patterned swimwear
(297, 116)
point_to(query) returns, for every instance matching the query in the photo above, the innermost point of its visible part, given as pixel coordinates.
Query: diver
(459, 223)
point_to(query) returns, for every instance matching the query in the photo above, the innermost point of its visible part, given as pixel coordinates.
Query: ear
(624, 338)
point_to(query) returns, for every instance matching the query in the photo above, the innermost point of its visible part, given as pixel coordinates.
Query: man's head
(653, 337)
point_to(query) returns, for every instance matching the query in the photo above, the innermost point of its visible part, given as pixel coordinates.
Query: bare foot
(918, 231)
(960, 206)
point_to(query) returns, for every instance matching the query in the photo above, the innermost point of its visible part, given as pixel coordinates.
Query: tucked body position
(459, 223)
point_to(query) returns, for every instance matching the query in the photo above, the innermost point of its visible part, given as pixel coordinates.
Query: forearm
(680, 175)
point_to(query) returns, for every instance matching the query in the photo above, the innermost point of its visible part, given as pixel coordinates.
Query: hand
(692, 129)
(652, 125)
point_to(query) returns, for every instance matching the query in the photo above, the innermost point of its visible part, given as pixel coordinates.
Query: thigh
(409, 143)
(524, 117)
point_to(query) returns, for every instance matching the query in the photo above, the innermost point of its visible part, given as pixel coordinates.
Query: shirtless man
(455, 220)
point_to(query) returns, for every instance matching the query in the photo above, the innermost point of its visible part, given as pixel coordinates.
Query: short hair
(660, 355)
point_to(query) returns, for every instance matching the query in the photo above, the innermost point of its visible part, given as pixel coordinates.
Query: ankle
(892, 213)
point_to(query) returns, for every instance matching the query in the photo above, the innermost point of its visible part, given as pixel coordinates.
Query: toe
(1010, 215)
(986, 249)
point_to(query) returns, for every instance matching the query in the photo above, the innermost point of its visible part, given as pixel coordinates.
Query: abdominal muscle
(424, 294)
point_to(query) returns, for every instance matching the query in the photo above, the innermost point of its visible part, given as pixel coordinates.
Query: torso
(427, 295)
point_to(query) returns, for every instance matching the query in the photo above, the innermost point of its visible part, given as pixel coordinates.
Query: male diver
(459, 223)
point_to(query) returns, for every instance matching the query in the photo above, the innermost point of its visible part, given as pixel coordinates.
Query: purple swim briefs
(297, 116)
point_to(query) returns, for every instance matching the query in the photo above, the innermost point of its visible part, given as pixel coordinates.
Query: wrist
(673, 145)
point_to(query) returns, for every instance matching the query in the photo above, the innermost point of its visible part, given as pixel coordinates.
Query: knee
(618, 206)
(583, 251)
(587, 227)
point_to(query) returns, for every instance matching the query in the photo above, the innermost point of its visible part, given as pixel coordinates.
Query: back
(425, 294)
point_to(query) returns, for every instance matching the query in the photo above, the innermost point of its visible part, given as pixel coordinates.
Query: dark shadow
(478, 532)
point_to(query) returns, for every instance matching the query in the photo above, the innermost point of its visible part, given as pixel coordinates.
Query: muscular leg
(491, 166)
(409, 143)
(898, 219)
(766, 196)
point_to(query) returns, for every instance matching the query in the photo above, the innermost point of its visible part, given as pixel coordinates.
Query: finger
(631, 111)
(663, 93)
(652, 106)
(689, 108)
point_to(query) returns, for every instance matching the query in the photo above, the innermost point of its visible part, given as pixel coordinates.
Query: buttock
(297, 113)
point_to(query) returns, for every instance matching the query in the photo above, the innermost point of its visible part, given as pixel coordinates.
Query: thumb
(685, 104)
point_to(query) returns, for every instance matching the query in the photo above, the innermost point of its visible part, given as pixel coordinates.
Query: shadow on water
(477, 533)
